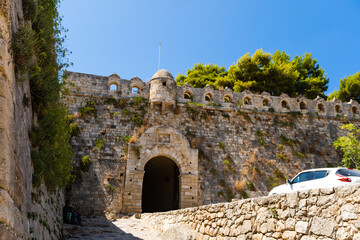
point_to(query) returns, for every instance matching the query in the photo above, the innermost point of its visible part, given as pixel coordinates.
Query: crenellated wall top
(115, 86)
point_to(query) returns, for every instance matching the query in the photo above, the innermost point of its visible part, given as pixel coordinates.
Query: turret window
(164, 83)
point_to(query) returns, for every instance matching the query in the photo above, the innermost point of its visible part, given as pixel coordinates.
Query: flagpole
(159, 55)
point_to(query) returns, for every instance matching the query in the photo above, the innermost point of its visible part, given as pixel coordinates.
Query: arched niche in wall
(228, 98)
(188, 95)
(285, 104)
(266, 102)
(321, 107)
(247, 100)
(303, 105)
(208, 97)
(355, 110)
(338, 108)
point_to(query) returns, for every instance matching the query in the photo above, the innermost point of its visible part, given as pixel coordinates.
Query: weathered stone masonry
(25, 213)
(307, 215)
(217, 138)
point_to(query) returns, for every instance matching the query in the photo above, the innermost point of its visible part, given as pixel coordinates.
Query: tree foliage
(262, 71)
(350, 146)
(349, 88)
(201, 75)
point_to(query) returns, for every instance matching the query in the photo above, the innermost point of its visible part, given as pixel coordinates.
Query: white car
(319, 178)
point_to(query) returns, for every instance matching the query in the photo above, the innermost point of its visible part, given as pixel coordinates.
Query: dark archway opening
(160, 186)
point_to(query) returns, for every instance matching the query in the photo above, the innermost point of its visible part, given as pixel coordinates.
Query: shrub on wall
(39, 57)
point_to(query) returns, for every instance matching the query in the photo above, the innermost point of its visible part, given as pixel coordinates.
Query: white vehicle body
(319, 178)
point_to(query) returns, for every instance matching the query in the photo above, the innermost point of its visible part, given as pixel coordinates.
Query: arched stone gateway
(160, 185)
(161, 144)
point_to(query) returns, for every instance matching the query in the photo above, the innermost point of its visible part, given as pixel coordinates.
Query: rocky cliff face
(24, 212)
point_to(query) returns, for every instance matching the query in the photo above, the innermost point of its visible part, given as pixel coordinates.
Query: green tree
(350, 146)
(201, 75)
(349, 88)
(265, 72)
(312, 81)
(262, 71)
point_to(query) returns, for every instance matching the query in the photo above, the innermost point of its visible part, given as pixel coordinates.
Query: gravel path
(101, 228)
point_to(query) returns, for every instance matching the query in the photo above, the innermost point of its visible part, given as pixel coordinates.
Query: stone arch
(321, 107)
(247, 100)
(303, 105)
(227, 98)
(355, 110)
(208, 97)
(266, 102)
(166, 142)
(285, 104)
(136, 83)
(188, 94)
(338, 108)
(113, 86)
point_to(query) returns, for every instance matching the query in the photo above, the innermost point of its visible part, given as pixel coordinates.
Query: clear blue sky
(123, 36)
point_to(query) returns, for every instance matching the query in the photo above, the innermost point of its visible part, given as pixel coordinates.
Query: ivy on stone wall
(39, 58)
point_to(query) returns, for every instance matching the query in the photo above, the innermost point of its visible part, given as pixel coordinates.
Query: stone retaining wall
(316, 214)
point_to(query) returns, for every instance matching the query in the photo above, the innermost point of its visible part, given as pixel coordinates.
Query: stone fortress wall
(314, 214)
(25, 213)
(234, 145)
(99, 86)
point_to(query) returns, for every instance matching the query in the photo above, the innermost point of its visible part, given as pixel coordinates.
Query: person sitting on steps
(70, 215)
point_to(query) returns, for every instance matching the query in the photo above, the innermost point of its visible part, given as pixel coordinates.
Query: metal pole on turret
(159, 55)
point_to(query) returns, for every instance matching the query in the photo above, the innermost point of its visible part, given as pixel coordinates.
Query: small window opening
(302, 106)
(266, 103)
(187, 95)
(321, 107)
(227, 99)
(208, 97)
(338, 109)
(354, 110)
(113, 87)
(164, 83)
(284, 104)
(134, 90)
(247, 101)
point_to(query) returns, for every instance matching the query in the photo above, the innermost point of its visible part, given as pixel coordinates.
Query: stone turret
(163, 90)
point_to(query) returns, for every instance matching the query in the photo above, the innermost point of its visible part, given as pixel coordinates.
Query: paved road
(101, 228)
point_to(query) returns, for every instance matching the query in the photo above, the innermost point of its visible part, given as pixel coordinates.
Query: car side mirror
(288, 181)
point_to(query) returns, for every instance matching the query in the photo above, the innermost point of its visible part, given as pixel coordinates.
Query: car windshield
(348, 172)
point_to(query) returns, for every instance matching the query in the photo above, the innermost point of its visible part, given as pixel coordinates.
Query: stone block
(289, 235)
(301, 227)
(321, 226)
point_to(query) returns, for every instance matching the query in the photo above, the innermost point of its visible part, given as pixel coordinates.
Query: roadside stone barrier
(332, 213)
